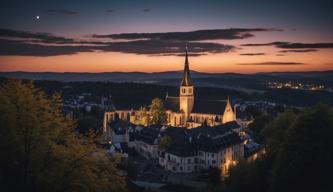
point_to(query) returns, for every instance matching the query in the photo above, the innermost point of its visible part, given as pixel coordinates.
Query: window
(181, 168)
(189, 168)
(183, 90)
(188, 160)
(190, 90)
(213, 161)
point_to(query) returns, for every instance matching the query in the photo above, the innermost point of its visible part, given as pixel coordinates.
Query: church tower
(186, 94)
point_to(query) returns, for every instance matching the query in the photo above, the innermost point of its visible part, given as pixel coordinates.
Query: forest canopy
(40, 150)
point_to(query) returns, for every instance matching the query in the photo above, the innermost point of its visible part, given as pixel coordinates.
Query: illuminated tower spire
(186, 75)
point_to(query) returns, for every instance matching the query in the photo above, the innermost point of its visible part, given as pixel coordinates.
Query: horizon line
(168, 71)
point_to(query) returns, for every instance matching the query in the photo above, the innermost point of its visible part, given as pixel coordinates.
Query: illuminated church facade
(186, 110)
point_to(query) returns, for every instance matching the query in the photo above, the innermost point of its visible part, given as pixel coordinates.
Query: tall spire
(186, 75)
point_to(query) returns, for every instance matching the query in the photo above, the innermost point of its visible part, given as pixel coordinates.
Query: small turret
(228, 113)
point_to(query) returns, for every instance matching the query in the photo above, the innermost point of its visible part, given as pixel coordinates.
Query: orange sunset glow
(222, 37)
(110, 62)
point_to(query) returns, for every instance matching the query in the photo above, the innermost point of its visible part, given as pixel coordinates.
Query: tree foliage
(299, 155)
(165, 142)
(157, 112)
(304, 160)
(247, 176)
(88, 123)
(40, 150)
(154, 115)
(144, 116)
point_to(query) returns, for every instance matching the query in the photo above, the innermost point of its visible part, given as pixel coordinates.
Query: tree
(299, 155)
(144, 118)
(259, 123)
(40, 150)
(97, 112)
(247, 176)
(304, 160)
(165, 142)
(88, 123)
(157, 112)
(275, 131)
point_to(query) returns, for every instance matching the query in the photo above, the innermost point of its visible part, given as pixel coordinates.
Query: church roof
(172, 103)
(186, 75)
(148, 134)
(209, 106)
(210, 139)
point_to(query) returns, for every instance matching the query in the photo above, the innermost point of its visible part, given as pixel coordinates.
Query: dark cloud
(14, 47)
(109, 11)
(146, 10)
(273, 63)
(298, 50)
(63, 11)
(288, 45)
(233, 33)
(306, 45)
(41, 37)
(179, 55)
(252, 54)
(44, 44)
(191, 54)
(277, 43)
(152, 46)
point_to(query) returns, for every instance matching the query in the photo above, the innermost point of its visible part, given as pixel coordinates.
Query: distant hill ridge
(256, 82)
(135, 76)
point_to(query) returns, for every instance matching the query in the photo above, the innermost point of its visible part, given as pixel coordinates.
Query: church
(186, 110)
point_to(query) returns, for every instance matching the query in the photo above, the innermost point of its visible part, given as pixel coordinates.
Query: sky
(240, 36)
